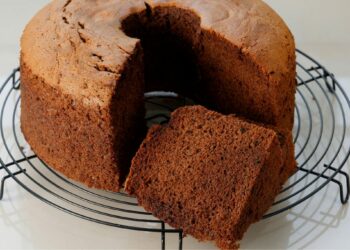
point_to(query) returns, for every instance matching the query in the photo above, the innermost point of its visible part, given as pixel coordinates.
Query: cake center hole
(169, 38)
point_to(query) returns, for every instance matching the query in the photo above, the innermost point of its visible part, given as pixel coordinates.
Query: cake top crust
(79, 46)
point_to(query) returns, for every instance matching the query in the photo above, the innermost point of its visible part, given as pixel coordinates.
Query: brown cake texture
(209, 174)
(85, 66)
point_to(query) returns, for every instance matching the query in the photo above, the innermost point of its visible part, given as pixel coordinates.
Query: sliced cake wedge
(209, 174)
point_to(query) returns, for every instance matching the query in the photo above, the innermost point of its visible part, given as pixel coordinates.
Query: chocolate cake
(210, 175)
(85, 66)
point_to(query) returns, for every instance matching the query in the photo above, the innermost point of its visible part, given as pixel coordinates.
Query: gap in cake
(160, 104)
(168, 36)
(181, 56)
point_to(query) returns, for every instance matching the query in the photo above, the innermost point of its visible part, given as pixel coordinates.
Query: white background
(321, 28)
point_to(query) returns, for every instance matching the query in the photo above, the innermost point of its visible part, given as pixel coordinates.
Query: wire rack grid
(321, 134)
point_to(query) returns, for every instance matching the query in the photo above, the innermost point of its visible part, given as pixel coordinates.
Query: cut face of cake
(209, 174)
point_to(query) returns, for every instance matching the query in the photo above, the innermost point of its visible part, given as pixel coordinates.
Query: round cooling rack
(321, 136)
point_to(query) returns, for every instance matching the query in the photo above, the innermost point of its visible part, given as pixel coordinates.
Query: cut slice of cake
(208, 174)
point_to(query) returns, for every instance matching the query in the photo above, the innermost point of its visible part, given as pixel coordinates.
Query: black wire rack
(321, 133)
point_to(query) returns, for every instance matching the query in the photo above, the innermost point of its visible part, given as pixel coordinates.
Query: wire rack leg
(16, 81)
(180, 240)
(344, 195)
(163, 236)
(331, 86)
(322, 74)
(343, 198)
(2, 185)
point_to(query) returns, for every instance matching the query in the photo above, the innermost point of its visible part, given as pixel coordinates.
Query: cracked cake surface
(84, 47)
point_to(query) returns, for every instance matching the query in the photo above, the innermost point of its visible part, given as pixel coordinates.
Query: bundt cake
(85, 65)
(208, 174)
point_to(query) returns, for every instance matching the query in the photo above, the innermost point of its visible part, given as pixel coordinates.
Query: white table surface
(26, 223)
